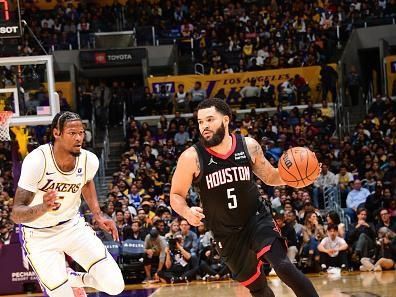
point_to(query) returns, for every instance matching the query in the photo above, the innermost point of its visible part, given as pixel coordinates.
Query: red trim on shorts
(254, 277)
(226, 155)
(263, 251)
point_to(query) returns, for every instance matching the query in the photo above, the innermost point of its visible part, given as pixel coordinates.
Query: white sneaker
(367, 264)
(334, 270)
(377, 268)
(363, 268)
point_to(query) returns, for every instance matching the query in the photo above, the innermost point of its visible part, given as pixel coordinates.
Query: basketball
(298, 167)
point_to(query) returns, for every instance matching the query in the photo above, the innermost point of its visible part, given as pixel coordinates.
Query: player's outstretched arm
(261, 167)
(23, 213)
(187, 167)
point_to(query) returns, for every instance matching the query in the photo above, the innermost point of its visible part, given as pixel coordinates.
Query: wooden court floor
(366, 284)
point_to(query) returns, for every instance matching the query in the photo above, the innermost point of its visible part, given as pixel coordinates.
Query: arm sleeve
(32, 172)
(92, 165)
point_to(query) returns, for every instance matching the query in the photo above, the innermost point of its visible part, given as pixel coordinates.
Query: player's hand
(49, 199)
(194, 215)
(108, 226)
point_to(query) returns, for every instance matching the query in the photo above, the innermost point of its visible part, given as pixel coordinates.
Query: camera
(172, 243)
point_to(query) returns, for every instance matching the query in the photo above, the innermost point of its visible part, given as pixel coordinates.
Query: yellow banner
(234, 82)
(390, 63)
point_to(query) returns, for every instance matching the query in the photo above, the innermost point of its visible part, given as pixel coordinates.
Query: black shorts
(154, 260)
(243, 249)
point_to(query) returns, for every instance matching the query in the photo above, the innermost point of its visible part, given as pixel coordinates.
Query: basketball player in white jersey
(47, 202)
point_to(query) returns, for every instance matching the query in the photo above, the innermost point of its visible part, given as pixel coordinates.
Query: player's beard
(75, 154)
(216, 139)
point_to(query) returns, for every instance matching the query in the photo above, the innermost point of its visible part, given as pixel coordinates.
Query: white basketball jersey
(40, 173)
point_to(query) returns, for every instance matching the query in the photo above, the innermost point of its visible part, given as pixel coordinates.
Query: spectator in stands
(291, 219)
(353, 84)
(326, 110)
(250, 94)
(190, 242)
(313, 233)
(333, 249)
(212, 266)
(267, 94)
(356, 199)
(302, 89)
(288, 92)
(178, 264)
(385, 255)
(120, 223)
(181, 136)
(289, 235)
(181, 99)
(328, 80)
(385, 220)
(164, 99)
(362, 237)
(134, 231)
(378, 106)
(174, 229)
(154, 248)
(145, 222)
(343, 179)
(326, 179)
(197, 94)
(333, 218)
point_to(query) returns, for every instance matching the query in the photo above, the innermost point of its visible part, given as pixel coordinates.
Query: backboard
(27, 88)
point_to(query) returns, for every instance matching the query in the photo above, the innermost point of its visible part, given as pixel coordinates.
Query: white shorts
(46, 249)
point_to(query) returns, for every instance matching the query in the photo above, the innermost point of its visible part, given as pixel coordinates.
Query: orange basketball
(298, 167)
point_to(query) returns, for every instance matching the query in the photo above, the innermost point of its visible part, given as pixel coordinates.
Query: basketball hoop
(5, 117)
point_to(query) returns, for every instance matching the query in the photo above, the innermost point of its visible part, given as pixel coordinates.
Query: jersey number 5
(58, 203)
(233, 203)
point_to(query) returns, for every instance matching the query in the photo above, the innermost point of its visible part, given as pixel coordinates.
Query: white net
(5, 125)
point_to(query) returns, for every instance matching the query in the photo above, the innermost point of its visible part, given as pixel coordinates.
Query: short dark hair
(332, 227)
(60, 120)
(360, 209)
(219, 104)
(334, 217)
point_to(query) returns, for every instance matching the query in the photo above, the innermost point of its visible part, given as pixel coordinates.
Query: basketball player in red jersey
(222, 166)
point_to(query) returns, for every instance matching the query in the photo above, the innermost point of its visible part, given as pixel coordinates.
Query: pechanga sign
(14, 277)
(112, 58)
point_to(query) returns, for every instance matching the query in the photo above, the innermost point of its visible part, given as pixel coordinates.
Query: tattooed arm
(23, 213)
(261, 167)
(186, 169)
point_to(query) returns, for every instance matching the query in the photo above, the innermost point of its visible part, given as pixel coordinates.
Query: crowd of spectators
(228, 36)
(361, 165)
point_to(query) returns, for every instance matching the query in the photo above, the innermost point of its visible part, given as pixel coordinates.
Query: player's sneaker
(79, 292)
